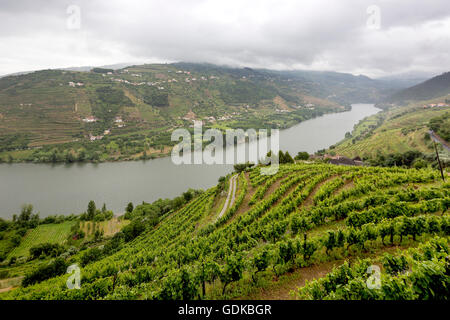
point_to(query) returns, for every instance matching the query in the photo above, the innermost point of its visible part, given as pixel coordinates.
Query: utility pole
(439, 161)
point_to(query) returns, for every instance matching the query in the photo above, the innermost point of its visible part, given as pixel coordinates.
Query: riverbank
(67, 188)
(110, 149)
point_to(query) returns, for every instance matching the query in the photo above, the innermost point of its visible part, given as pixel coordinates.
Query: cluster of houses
(90, 119)
(75, 84)
(282, 110)
(94, 138)
(309, 106)
(191, 116)
(338, 160)
(128, 82)
(158, 83)
(435, 105)
(118, 121)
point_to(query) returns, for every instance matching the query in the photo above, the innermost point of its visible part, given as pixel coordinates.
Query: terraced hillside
(280, 231)
(397, 130)
(67, 116)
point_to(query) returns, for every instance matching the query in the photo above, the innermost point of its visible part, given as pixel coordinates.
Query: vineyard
(46, 233)
(305, 215)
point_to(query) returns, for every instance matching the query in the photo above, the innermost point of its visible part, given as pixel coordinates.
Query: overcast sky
(341, 35)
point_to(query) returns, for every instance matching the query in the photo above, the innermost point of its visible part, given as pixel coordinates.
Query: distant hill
(407, 79)
(435, 87)
(139, 105)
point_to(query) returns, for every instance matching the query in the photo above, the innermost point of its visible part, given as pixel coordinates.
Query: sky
(375, 38)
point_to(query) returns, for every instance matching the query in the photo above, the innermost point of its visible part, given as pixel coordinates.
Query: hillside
(129, 113)
(280, 231)
(397, 130)
(435, 87)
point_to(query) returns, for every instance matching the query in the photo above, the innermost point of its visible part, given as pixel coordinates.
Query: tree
(179, 285)
(239, 167)
(207, 272)
(25, 214)
(308, 248)
(288, 158)
(91, 210)
(55, 268)
(287, 251)
(340, 240)
(405, 228)
(281, 158)
(302, 155)
(187, 196)
(330, 242)
(260, 262)
(232, 270)
(129, 208)
(352, 238)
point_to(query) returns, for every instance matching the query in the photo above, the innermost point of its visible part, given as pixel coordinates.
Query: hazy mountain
(433, 88)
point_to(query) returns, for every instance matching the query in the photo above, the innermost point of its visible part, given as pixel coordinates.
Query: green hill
(397, 130)
(51, 115)
(435, 87)
(280, 231)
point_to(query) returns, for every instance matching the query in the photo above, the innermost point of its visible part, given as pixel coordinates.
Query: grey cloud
(272, 34)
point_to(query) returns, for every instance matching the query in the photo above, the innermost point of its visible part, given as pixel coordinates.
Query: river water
(66, 189)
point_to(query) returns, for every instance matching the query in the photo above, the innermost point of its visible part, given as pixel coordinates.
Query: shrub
(54, 268)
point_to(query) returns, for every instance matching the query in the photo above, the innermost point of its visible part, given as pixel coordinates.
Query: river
(66, 189)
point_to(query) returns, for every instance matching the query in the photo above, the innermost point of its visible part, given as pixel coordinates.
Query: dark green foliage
(54, 268)
(46, 249)
(129, 208)
(156, 97)
(239, 167)
(90, 256)
(134, 229)
(441, 125)
(102, 70)
(394, 264)
(232, 270)
(302, 156)
(91, 210)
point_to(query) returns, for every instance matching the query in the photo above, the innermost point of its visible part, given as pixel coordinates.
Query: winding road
(230, 197)
(438, 139)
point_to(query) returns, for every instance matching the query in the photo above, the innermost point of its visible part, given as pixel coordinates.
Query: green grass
(52, 233)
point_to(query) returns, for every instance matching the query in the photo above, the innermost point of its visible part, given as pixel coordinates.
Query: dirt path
(309, 201)
(231, 196)
(280, 288)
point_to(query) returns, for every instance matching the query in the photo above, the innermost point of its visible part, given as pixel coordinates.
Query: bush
(90, 255)
(15, 240)
(46, 249)
(302, 156)
(4, 274)
(53, 269)
(132, 230)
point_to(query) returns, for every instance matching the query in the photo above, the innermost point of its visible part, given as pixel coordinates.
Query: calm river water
(65, 189)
